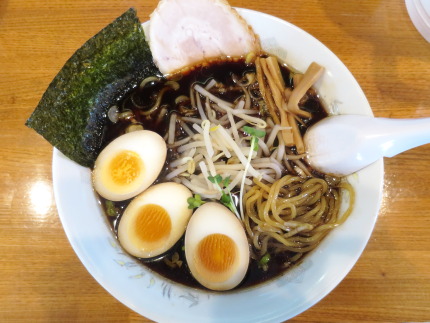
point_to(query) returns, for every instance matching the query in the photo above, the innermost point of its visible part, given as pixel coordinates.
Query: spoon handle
(398, 135)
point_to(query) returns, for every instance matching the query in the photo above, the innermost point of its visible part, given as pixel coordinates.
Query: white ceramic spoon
(344, 144)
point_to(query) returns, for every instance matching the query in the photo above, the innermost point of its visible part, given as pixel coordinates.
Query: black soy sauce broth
(220, 71)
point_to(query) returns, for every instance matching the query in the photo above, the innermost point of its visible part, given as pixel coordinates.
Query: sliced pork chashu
(187, 32)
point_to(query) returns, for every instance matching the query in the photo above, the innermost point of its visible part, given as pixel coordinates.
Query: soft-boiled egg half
(129, 164)
(216, 247)
(155, 220)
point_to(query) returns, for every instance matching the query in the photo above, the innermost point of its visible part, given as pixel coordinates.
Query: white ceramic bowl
(280, 299)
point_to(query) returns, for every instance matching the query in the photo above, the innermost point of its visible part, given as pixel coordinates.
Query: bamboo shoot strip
(312, 74)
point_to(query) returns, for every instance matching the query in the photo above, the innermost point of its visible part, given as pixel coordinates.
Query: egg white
(151, 150)
(212, 218)
(172, 197)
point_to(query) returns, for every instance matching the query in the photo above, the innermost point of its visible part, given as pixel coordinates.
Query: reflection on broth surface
(214, 119)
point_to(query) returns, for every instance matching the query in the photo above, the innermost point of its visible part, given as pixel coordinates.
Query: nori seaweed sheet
(72, 113)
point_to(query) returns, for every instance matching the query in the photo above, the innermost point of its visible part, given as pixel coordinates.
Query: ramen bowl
(279, 299)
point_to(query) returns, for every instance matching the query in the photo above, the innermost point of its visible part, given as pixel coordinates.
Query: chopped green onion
(264, 260)
(110, 208)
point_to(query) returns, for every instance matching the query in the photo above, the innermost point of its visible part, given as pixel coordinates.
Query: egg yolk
(125, 167)
(217, 253)
(153, 225)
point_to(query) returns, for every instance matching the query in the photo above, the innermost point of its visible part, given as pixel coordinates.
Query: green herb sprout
(226, 197)
(255, 135)
(195, 201)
